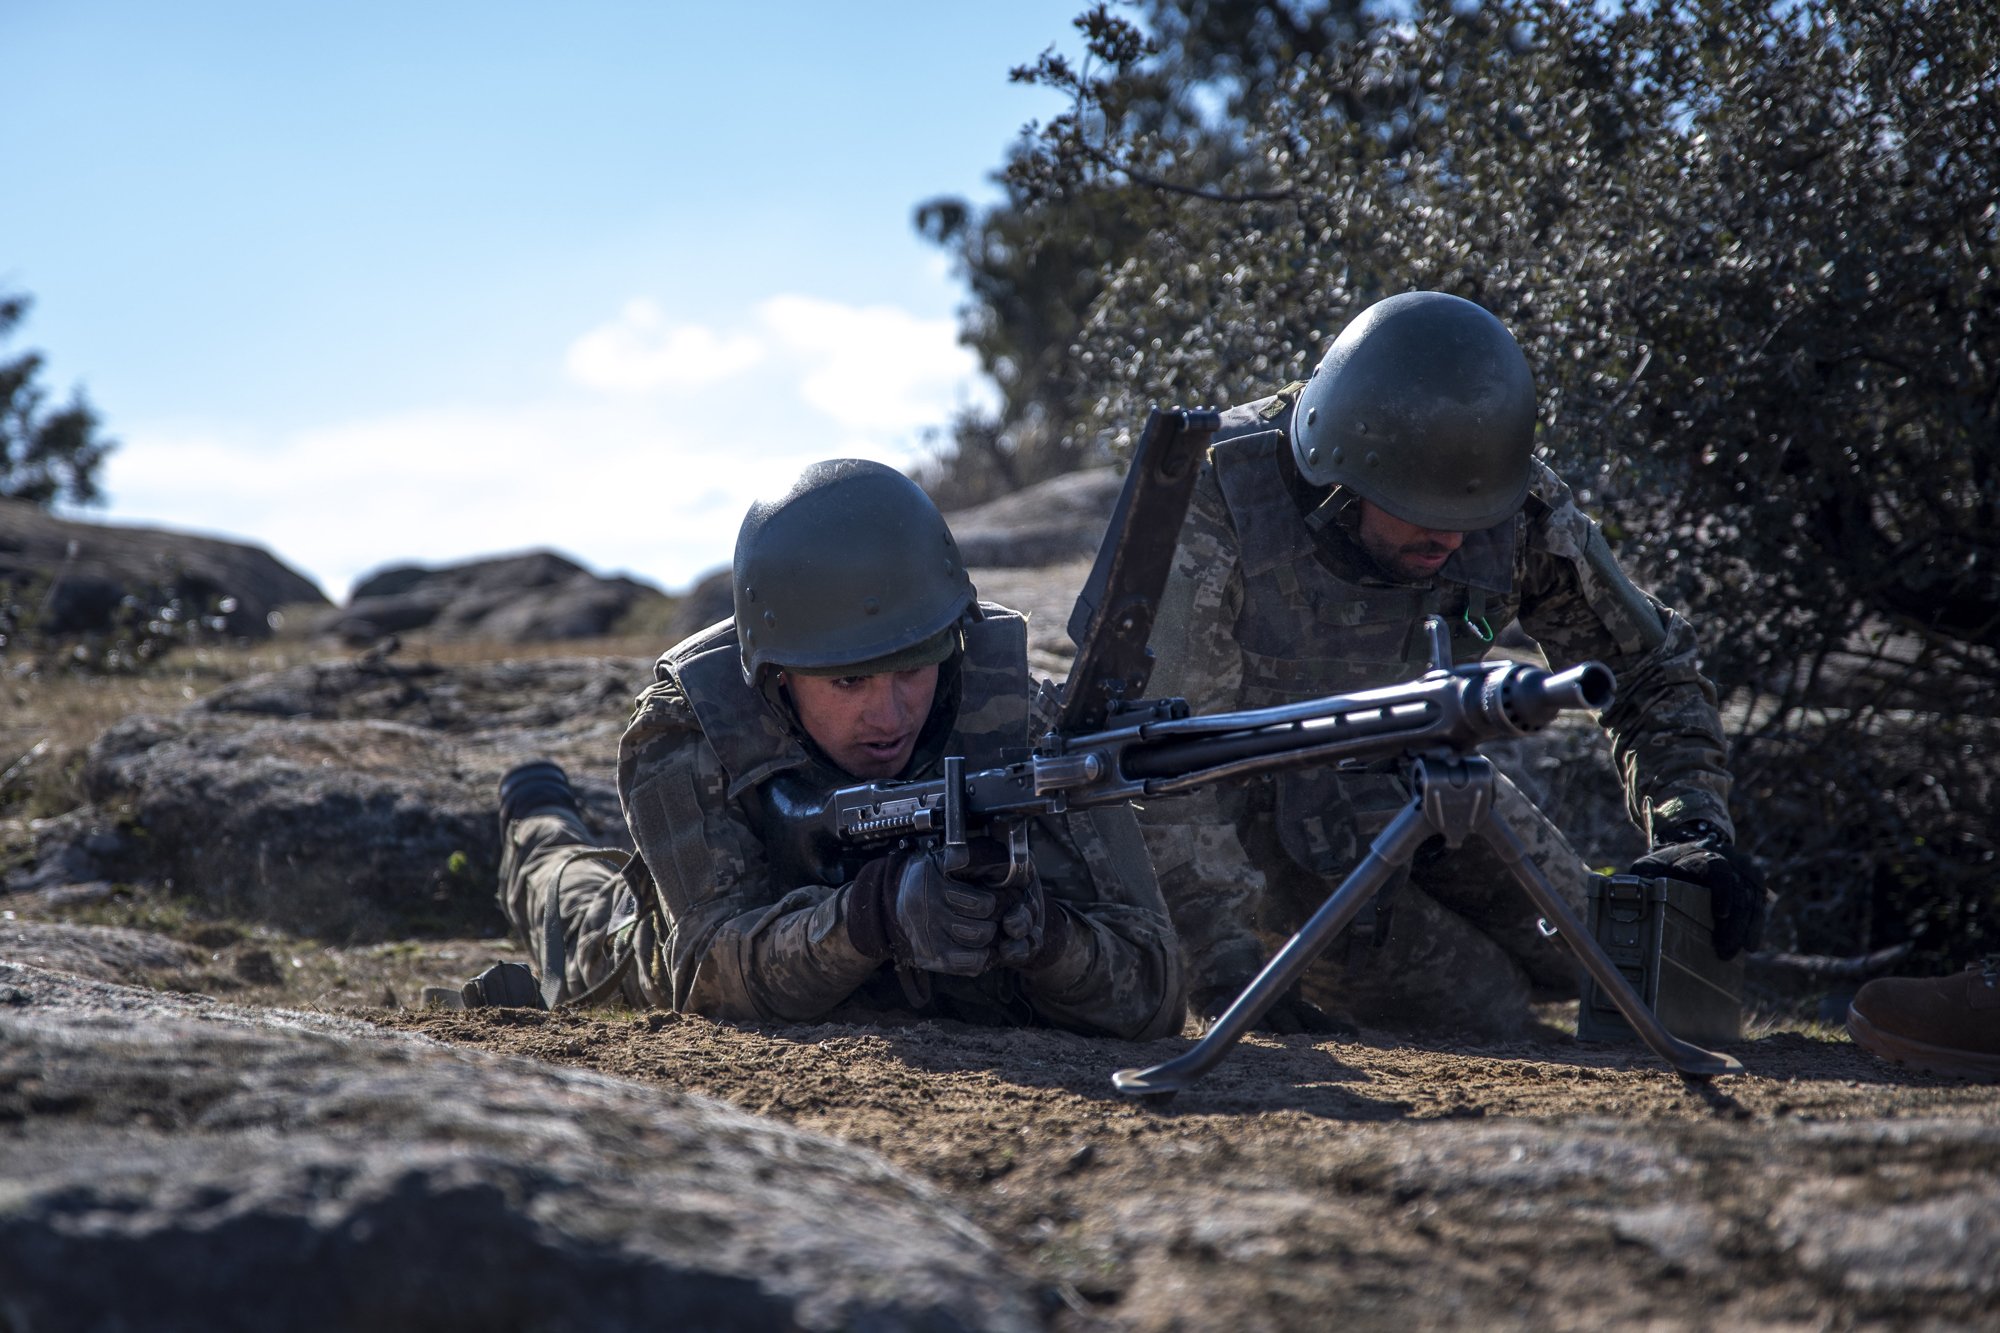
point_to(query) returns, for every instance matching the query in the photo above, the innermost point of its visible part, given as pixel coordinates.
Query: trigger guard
(1020, 869)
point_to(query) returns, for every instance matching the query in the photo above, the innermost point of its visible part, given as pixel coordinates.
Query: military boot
(532, 791)
(502, 986)
(539, 784)
(1945, 1025)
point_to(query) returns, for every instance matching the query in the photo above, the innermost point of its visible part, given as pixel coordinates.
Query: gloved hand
(1699, 853)
(1289, 1015)
(907, 908)
(1026, 918)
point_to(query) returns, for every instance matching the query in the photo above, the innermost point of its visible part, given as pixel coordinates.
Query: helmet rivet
(1373, 458)
(1360, 428)
(871, 605)
(749, 594)
(1338, 454)
(770, 617)
(1312, 455)
(1312, 415)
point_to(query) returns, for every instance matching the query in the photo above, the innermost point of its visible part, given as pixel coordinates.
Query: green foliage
(1035, 264)
(45, 456)
(1751, 248)
(141, 629)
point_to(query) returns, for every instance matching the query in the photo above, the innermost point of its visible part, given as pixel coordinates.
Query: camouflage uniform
(1273, 600)
(724, 914)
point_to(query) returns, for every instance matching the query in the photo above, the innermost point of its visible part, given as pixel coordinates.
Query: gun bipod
(1454, 797)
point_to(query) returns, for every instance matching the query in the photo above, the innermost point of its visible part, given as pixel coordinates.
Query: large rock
(537, 596)
(345, 800)
(175, 1164)
(708, 601)
(101, 953)
(1051, 522)
(89, 578)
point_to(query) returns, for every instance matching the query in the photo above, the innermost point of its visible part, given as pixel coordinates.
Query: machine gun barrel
(1454, 710)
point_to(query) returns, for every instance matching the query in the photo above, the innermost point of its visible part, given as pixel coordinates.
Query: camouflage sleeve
(1206, 875)
(1666, 733)
(1119, 974)
(733, 944)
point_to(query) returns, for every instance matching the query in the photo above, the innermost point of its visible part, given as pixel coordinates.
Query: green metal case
(1658, 934)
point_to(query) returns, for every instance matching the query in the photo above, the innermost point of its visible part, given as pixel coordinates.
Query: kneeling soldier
(857, 652)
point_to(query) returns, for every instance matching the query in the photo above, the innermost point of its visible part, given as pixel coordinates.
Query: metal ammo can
(1658, 934)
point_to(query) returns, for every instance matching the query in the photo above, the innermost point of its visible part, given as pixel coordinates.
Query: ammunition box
(1658, 934)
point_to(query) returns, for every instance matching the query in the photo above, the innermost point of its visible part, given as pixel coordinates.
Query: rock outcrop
(534, 597)
(71, 578)
(175, 1164)
(1049, 523)
(343, 800)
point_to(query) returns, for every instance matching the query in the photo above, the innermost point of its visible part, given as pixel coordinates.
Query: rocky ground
(213, 1082)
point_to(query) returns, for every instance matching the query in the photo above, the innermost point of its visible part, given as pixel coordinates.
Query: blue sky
(368, 283)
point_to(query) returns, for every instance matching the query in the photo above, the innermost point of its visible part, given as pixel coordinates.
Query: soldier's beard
(1417, 560)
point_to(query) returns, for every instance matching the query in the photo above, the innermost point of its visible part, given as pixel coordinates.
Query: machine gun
(1110, 745)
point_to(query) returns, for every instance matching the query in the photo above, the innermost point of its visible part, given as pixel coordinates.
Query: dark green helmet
(851, 570)
(1424, 405)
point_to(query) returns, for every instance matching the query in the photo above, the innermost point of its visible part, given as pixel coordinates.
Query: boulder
(101, 953)
(66, 578)
(1051, 522)
(534, 597)
(708, 601)
(341, 800)
(176, 1164)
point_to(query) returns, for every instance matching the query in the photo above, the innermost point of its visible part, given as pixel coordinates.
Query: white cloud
(633, 486)
(621, 478)
(873, 367)
(639, 352)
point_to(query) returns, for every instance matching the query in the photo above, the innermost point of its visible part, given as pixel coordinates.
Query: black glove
(1699, 853)
(1032, 930)
(908, 908)
(1289, 1015)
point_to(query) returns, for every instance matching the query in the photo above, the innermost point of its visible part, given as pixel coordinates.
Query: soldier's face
(866, 724)
(1404, 549)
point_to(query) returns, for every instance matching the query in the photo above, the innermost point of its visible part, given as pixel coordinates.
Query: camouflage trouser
(1462, 951)
(550, 871)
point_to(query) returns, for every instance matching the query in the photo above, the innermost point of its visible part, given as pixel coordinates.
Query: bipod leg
(1392, 848)
(1691, 1060)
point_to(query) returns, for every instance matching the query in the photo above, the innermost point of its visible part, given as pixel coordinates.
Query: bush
(1753, 252)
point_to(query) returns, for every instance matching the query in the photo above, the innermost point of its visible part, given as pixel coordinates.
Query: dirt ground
(1311, 1182)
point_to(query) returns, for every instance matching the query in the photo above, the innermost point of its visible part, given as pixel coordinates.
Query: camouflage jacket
(752, 926)
(1272, 599)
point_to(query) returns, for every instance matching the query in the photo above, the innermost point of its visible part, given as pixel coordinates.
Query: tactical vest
(777, 782)
(1306, 631)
